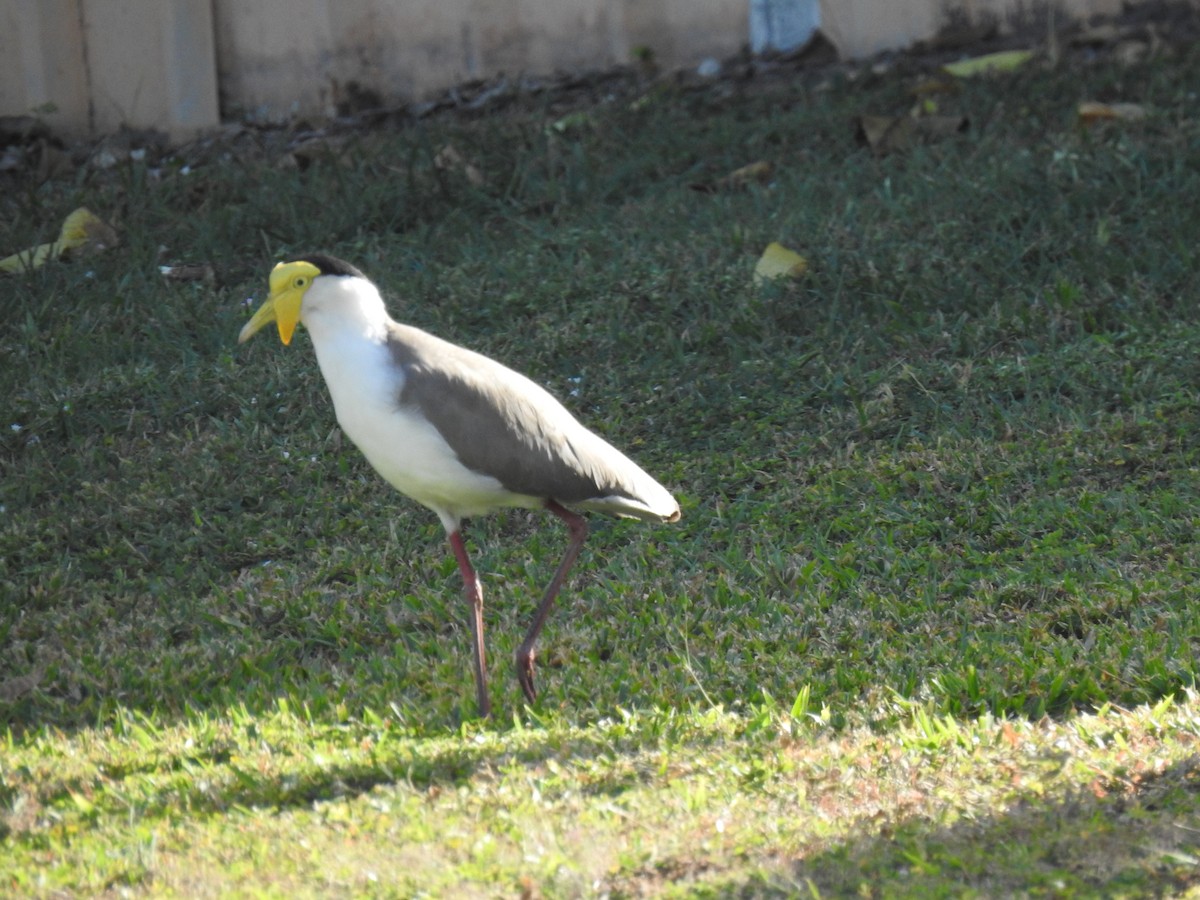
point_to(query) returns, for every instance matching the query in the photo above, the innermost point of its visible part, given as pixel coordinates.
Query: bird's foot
(485, 707)
(525, 673)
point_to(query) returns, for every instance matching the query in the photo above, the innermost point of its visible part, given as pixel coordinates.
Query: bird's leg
(474, 591)
(525, 655)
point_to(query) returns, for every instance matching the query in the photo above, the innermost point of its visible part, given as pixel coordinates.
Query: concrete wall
(100, 64)
(860, 28)
(408, 50)
(41, 56)
(163, 63)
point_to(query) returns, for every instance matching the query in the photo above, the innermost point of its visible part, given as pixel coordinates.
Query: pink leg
(525, 655)
(474, 591)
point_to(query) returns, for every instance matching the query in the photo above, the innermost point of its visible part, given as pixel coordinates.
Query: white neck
(337, 309)
(348, 323)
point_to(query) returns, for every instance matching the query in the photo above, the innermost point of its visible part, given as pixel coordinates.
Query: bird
(456, 431)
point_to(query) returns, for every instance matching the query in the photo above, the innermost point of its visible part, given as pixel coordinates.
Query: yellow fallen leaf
(1090, 112)
(778, 261)
(1004, 61)
(81, 229)
(84, 227)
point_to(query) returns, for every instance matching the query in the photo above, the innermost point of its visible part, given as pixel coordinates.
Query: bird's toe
(525, 674)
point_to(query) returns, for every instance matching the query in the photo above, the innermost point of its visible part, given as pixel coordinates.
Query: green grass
(926, 627)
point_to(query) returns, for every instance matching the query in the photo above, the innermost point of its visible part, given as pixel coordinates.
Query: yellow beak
(281, 307)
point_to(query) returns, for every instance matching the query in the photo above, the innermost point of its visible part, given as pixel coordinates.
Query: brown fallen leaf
(876, 131)
(759, 172)
(888, 134)
(448, 159)
(1090, 112)
(202, 272)
(319, 148)
(82, 232)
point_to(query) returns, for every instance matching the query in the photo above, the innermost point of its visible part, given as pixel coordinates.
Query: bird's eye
(300, 281)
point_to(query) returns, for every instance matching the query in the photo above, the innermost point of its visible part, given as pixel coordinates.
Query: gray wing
(503, 425)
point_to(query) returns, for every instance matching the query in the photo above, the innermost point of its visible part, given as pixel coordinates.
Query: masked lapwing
(454, 430)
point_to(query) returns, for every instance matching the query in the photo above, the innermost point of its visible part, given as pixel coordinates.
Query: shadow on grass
(1113, 838)
(298, 780)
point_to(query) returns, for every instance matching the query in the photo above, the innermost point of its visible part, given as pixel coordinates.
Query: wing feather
(500, 423)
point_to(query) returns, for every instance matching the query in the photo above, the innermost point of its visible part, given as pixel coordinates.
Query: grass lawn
(927, 625)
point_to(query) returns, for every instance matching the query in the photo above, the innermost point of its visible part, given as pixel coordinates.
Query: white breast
(406, 450)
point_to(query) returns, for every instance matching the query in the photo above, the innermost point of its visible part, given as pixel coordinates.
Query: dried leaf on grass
(1090, 112)
(759, 172)
(200, 272)
(887, 134)
(448, 159)
(1129, 43)
(82, 231)
(320, 148)
(777, 262)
